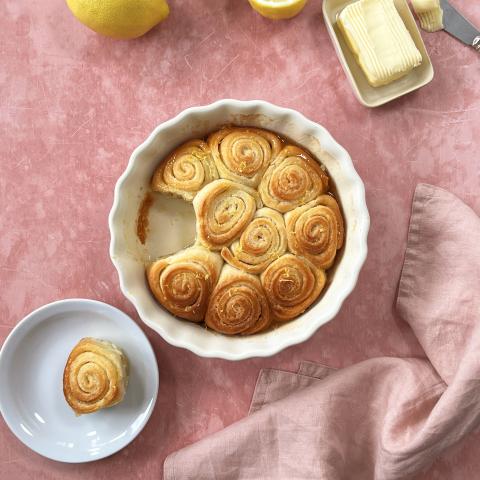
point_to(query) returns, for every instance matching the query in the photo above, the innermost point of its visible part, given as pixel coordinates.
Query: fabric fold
(384, 418)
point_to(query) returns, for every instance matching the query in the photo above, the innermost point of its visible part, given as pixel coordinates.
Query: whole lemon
(120, 19)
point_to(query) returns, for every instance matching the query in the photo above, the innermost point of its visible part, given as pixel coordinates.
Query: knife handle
(476, 43)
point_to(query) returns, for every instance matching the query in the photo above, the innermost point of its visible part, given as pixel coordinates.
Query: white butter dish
(375, 96)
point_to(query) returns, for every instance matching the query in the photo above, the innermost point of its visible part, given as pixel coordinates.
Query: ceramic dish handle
(476, 43)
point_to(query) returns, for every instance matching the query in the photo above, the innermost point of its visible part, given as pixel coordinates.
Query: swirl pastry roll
(243, 154)
(238, 304)
(186, 170)
(223, 209)
(293, 179)
(316, 231)
(264, 240)
(95, 376)
(291, 285)
(183, 282)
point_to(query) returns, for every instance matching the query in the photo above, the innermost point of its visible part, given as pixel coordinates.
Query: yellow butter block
(429, 13)
(381, 43)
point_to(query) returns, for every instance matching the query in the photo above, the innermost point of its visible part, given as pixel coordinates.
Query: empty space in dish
(375, 96)
(171, 227)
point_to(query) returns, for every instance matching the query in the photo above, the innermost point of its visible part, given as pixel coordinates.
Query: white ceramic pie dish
(173, 226)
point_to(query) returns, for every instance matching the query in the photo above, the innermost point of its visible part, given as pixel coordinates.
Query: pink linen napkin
(383, 418)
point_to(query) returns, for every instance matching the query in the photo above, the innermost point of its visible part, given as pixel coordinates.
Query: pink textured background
(73, 106)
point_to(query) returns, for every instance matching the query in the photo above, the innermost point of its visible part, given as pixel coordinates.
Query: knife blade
(458, 26)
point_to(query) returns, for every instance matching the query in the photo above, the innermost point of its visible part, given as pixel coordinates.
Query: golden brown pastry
(223, 209)
(315, 231)
(183, 282)
(186, 170)
(243, 154)
(238, 304)
(291, 285)
(293, 179)
(263, 241)
(262, 206)
(95, 376)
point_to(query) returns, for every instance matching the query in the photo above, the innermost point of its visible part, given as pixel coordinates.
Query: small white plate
(32, 360)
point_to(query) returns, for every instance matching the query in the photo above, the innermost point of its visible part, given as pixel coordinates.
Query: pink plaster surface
(73, 106)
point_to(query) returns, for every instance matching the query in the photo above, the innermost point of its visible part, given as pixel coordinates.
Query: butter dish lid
(375, 96)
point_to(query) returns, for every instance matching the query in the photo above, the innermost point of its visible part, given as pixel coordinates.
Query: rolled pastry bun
(183, 282)
(223, 209)
(238, 304)
(95, 376)
(263, 241)
(185, 171)
(243, 154)
(293, 179)
(291, 285)
(316, 231)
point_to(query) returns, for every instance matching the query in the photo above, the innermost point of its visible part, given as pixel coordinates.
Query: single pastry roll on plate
(291, 285)
(293, 179)
(263, 241)
(238, 304)
(316, 231)
(183, 282)
(186, 170)
(243, 154)
(95, 376)
(223, 209)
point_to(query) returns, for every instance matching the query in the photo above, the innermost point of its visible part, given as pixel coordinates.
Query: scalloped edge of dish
(128, 284)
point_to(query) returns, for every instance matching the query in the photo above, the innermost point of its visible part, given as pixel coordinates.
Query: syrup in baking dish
(142, 221)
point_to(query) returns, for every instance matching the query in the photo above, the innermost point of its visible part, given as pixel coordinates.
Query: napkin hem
(169, 467)
(423, 193)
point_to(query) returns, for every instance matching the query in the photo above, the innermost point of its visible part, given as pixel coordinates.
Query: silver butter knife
(457, 25)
